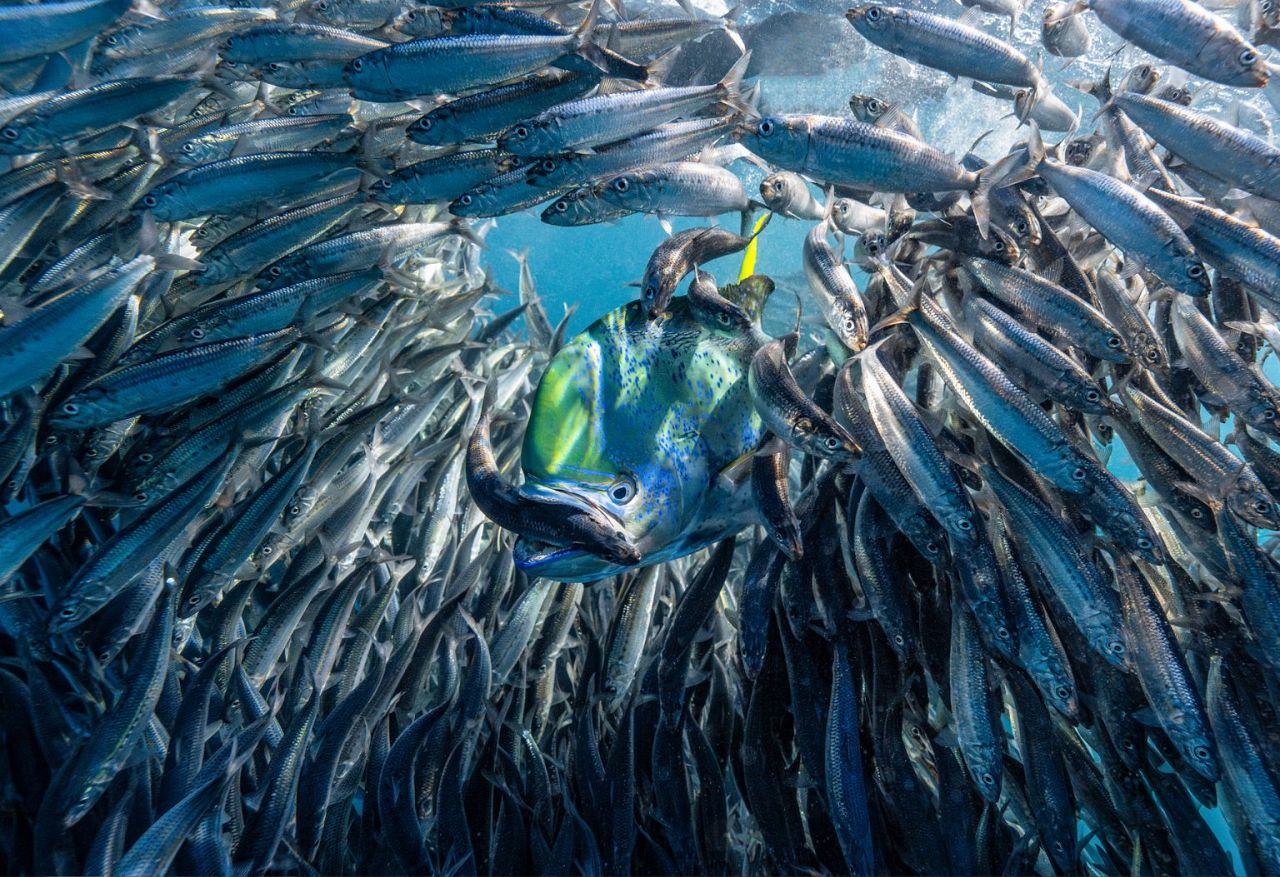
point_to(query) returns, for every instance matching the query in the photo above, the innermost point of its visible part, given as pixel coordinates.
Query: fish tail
(730, 87)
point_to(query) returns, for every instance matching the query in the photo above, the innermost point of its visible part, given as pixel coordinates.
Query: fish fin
(1212, 499)
(730, 87)
(660, 68)
(1132, 267)
(732, 476)
(991, 177)
(1147, 716)
(899, 316)
(770, 446)
(947, 737)
(1053, 272)
(584, 31)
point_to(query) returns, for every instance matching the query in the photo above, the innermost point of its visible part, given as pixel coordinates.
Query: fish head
(330, 12)
(368, 75)
(1191, 277)
(633, 422)
(16, 137)
(83, 409)
(867, 108)
(422, 21)
(170, 201)
(531, 137)
(781, 140)
(780, 189)
(1242, 64)
(436, 128)
(872, 17)
(633, 190)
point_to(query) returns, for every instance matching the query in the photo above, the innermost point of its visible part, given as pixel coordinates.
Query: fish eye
(1247, 57)
(267, 550)
(932, 548)
(91, 452)
(146, 456)
(295, 510)
(194, 599)
(1195, 271)
(465, 200)
(1197, 513)
(357, 65)
(623, 490)
(198, 333)
(1114, 342)
(1022, 227)
(965, 524)
(1262, 506)
(275, 67)
(1115, 647)
(899, 639)
(1093, 396)
(150, 200)
(1269, 414)
(1144, 543)
(9, 133)
(1062, 692)
(188, 148)
(561, 206)
(1200, 752)
(1153, 356)
(621, 184)
(548, 165)
(999, 246)
(873, 13)
(765, 128)
(425, 123)
(1078, 474)
(723, 318)
(988, 779)
(67, 612)
(849, 324)
(141, 496)
(832, 442)
(520, 132)
(1002, 632)
(70, 408)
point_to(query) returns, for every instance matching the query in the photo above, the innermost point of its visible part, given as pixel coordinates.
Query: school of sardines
(969, 572)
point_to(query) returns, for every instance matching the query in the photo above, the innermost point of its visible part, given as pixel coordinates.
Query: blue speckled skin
(662, 404)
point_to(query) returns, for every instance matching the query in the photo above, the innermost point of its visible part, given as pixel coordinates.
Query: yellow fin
(749, 256)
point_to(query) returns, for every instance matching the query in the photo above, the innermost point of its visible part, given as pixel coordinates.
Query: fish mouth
(562, 564)
(613, 544)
